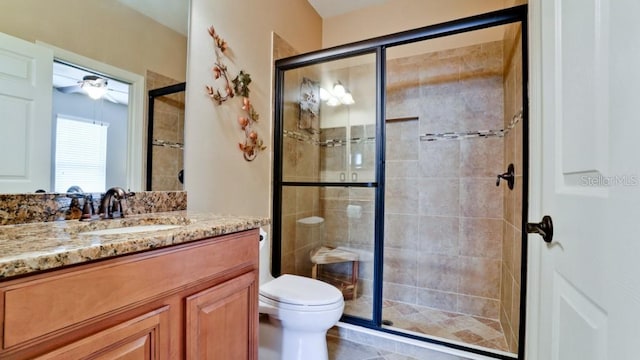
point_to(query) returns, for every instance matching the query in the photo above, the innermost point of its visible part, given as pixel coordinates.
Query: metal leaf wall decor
(238, 85)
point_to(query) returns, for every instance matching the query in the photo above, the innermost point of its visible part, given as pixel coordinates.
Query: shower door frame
(152, 95)
(378, 46)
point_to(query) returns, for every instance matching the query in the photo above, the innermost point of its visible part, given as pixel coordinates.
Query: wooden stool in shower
(327, 255)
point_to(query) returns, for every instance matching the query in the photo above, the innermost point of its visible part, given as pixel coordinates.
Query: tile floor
(351, 343)
(468, 329)
(341, 349)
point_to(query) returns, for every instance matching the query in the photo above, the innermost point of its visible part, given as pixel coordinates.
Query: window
(81, 154)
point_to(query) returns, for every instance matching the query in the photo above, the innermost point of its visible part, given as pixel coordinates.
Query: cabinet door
(144, 337)
(222, 321)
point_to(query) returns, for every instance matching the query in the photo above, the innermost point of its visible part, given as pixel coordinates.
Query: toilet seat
(269, 306)
(300, 293)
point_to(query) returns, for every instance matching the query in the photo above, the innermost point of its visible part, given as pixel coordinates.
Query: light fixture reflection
(337, 95)
(339, 90)
(347, 99)
(94, 86)
(333, 101)
(324, 94)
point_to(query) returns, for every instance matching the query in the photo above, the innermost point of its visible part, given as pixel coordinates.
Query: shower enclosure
(165, 135)
(400, 173)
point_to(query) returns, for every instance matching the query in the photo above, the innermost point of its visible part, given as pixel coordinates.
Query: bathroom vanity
(72, 290)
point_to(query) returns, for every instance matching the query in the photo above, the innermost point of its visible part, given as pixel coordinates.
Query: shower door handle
(509, 177)
(544, 228)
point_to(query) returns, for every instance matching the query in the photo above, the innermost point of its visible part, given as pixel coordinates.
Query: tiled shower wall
(168, 126)
(352, 232)
(444, 213)
(512, 234)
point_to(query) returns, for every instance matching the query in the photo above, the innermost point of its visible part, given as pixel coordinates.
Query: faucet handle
(88, 211)
(119, 206)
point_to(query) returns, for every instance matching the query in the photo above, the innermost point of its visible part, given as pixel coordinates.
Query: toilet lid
(299, 290)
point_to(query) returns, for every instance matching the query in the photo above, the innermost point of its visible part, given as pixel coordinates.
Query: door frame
(534, 247)
(135, 108)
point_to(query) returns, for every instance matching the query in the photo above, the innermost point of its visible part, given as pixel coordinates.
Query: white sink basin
(131, 229)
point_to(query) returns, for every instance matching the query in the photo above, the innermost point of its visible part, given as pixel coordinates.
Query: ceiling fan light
(95, 92)
(339, 90)
(94, 86)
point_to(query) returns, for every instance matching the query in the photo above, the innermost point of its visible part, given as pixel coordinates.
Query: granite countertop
(29, 248)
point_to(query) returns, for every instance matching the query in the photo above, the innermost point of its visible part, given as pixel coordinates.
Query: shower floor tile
(468, 329)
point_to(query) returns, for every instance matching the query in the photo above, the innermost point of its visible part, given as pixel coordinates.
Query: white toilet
(295, 314)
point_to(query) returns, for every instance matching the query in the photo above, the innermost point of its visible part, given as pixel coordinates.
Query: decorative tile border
(169, 144)
(423, 137)
(343, 142)
(473, 134)
(301, 137)
(461, 135)
(326, 143)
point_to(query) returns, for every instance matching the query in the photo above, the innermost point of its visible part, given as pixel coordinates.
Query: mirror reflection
(123, 46)
(89, 130)
(165, 136)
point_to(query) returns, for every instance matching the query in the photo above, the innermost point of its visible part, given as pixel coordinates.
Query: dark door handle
(544, 228)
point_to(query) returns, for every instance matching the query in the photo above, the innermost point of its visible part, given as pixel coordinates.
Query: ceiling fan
(92, 85)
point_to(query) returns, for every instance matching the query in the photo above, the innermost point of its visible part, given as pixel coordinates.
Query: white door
(25, 115)
(584, 287)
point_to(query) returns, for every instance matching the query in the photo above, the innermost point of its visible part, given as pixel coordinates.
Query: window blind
(81, 154)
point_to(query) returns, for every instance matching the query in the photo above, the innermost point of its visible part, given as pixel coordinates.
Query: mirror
(139, 37)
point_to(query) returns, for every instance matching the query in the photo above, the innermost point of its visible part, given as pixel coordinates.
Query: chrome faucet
(113, 203)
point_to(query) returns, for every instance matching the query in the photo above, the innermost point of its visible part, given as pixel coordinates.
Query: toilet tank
(265, 257)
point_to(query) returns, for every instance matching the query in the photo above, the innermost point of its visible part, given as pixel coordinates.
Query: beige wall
(216, 175)
(104, 30)
(399, 15)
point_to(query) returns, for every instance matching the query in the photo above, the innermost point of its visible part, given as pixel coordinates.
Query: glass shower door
(451, 253)
(328, 189)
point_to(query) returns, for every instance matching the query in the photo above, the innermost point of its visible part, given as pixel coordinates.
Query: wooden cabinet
(141, 338)
(218, 320)
(192, 301)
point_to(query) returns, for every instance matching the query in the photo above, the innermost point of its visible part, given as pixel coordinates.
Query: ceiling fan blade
(110, 98)
(69, 89)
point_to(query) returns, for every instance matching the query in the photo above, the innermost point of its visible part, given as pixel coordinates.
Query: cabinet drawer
(145, 338)
(67, 299)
